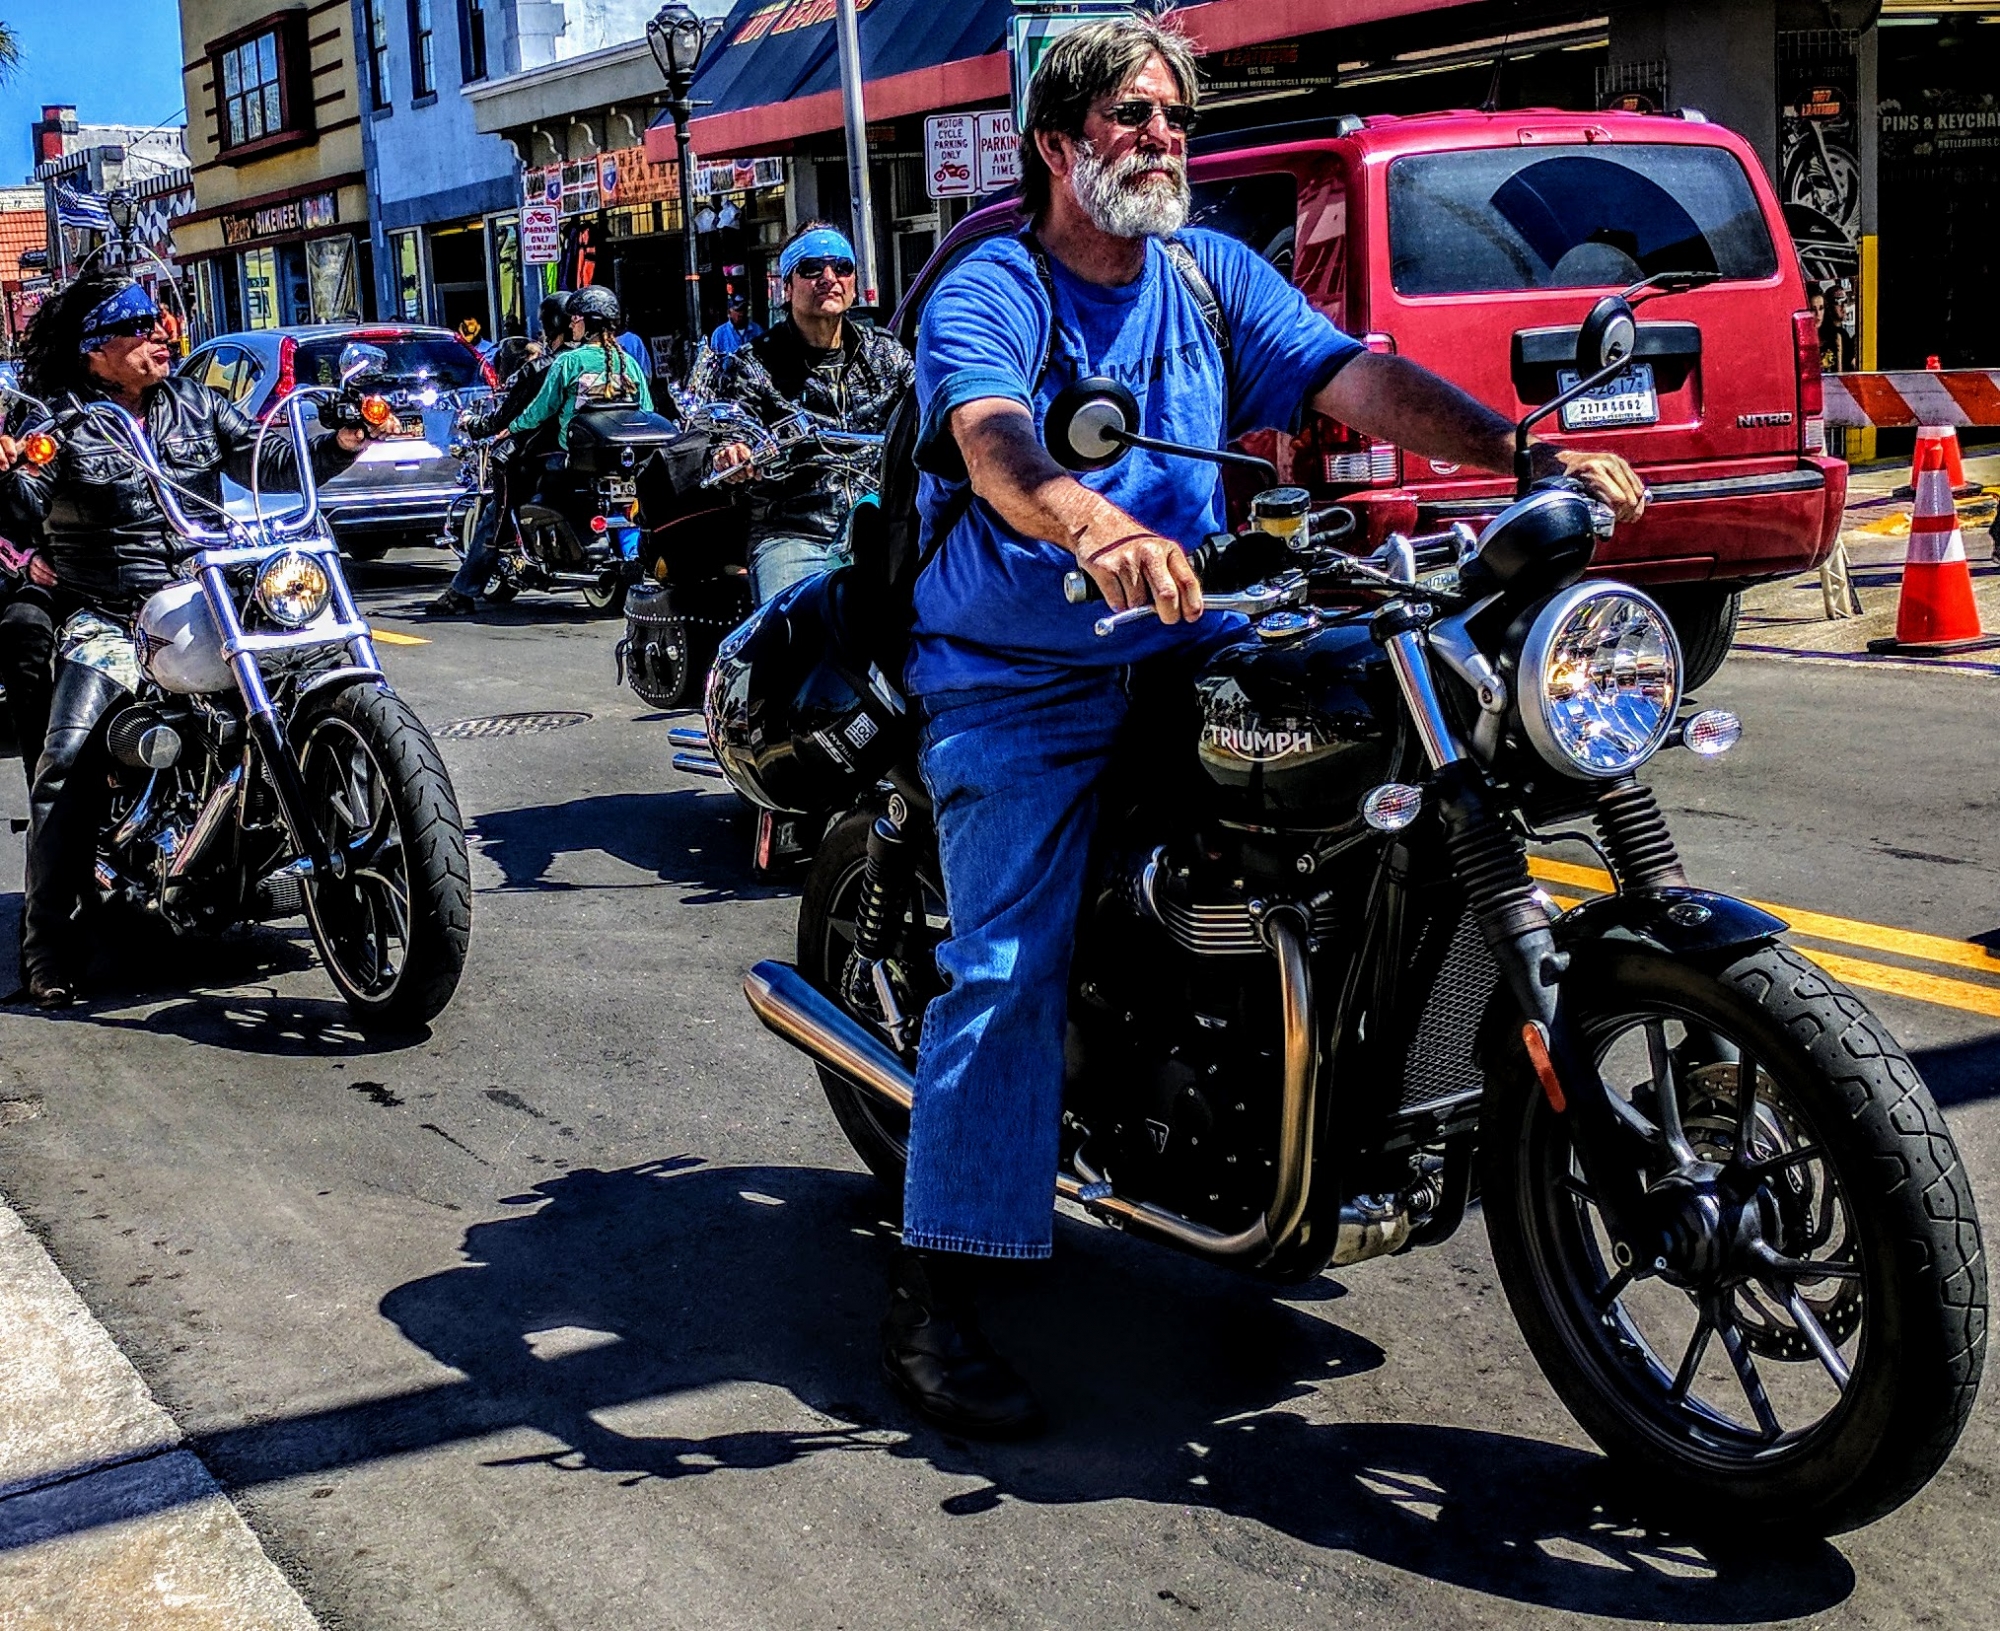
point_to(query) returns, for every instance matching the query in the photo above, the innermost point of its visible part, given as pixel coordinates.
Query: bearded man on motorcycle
(846, 374)
(104, 339)
(512, 477)
(1023, 706)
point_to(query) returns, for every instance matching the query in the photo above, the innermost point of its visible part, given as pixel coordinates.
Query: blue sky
(118, 61)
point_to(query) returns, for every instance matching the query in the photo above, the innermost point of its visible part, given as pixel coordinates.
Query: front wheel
(394, 924)
(1797, 1345)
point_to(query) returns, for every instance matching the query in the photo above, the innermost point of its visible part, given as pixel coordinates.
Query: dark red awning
(1219, 25)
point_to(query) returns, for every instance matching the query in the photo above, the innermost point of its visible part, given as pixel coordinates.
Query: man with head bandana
(846, 374)
(103, 339)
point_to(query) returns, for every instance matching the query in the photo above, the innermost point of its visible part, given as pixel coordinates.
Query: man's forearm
(1394, 399)
(1028, 490)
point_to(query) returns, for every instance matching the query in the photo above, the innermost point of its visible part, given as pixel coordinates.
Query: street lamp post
(675, 36)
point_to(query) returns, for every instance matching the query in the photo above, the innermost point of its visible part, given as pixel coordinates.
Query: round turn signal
(38, 448)
(375, 411)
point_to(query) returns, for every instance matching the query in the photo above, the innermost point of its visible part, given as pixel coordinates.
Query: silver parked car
(398, 491)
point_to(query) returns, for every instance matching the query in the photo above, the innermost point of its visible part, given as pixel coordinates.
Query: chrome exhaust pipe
(805, 1017)
(699, 766)
(206, 825)
(688, 736)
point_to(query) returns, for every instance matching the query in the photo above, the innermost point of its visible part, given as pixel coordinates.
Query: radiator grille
(1439, 1065)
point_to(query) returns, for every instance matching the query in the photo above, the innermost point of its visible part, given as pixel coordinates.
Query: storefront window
(408, 254)
(260, 288)
(335, 289)
(503, 241)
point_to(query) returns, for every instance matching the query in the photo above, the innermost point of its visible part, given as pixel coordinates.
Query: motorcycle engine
(1176, 1010)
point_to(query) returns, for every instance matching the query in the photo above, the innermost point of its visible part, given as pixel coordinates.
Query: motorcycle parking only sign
(951, 155)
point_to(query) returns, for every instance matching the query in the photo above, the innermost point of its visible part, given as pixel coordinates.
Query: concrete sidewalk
(1787, 618)
(106, 1518)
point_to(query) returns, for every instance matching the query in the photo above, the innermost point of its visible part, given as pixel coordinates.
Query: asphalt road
(564, 1316)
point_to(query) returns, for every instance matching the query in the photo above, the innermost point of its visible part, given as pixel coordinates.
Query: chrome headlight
(293, 588)
(1600, 679)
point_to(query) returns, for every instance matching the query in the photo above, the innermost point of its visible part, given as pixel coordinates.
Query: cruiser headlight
(1600, 679)
(292, 588)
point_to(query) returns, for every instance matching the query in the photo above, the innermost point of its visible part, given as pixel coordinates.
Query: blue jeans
(484, 549)
(781, 559)
(1017, 777)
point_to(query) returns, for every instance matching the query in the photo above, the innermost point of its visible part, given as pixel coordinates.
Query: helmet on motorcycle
(595, 304)
(798, 716)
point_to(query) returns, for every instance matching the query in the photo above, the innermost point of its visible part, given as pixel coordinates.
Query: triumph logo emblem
(1247, 742)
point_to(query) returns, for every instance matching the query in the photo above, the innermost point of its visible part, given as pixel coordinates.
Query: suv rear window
(448, 363)
(1499, 219)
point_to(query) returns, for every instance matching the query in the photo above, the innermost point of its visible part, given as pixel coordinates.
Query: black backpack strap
(1040, 259)
(1183, 261)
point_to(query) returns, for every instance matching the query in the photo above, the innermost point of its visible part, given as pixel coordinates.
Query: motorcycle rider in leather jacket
(511, 477)
(104, 339)
(847, 374)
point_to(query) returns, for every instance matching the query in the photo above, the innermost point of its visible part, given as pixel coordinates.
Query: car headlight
(293, 588)
(1600, 679)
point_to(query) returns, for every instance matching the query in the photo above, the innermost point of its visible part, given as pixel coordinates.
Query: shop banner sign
(1819, 173)
(1038, 24)
(541, 235)
(999, 164)
(951, 156)
(276, 220)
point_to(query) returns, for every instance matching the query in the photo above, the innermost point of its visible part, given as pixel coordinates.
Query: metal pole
(849, 32)
(682, 110)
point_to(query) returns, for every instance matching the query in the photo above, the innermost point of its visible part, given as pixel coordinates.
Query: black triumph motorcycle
(263, 767)
(1318, 1005)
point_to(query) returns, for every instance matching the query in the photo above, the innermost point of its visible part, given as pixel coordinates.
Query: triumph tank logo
(1250, 742)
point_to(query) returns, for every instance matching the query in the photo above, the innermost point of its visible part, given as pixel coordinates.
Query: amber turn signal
(38, 448)
(375, 411)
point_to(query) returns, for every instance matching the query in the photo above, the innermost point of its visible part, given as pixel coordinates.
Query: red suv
(1474, 243)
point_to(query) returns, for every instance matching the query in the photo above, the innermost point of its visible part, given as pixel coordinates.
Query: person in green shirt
(594, 368)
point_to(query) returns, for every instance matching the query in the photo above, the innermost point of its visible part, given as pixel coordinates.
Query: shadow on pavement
(609, 1313)
(1961, 1072)
(679, 835)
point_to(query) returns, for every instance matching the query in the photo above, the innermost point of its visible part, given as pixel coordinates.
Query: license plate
(1627, 399)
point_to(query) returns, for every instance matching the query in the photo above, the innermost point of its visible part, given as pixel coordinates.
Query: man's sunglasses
(1137, 114)
(129, 328)
(810, 269)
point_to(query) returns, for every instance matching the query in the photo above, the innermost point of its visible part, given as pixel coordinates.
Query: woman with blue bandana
(846, 374)
(104, 339)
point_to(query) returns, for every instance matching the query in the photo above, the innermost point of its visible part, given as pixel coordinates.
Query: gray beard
(1122, 210)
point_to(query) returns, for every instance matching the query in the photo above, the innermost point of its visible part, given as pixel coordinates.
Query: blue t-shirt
(729, 338)
(989, 607)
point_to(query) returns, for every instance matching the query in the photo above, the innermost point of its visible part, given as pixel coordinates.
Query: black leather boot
(937, 1357)
(64, 810)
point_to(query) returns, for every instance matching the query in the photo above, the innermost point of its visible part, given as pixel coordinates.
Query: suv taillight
(1352, 459)
(288, 374)
(1812, 390)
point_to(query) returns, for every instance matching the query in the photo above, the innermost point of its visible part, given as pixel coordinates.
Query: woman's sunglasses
(810, 269)
(130, 328)
(1137, 114)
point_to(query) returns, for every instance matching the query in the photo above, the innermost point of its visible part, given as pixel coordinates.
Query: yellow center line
(1908, 982)
(389, 637)
(1846, 931)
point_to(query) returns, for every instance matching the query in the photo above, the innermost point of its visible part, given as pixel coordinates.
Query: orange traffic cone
(1936, 609)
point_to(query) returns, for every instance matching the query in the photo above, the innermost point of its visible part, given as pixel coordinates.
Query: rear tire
(1705, 620)
(879, 1133)
(607, 595)
(1855, 1173)
(394, 931)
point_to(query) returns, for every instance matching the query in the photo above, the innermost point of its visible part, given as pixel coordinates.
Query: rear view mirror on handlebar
(1090, 424)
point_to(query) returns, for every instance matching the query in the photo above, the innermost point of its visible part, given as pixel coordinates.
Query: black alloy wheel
(1799, 1346)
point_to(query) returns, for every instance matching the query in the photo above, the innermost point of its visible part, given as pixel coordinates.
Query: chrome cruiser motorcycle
(1318, 1003)
(263, 766)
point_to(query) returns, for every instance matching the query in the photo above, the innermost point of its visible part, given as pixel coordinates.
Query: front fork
(1491, 862)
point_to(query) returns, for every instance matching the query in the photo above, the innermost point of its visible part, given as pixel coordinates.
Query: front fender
(1681, 922)
(333, 676)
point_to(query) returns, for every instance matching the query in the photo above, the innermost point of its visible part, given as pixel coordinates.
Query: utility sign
(999, 165)
(541, 235)
(951, 155)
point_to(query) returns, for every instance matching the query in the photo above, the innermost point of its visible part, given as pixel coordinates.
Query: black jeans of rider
(27, 649)
(66, 809)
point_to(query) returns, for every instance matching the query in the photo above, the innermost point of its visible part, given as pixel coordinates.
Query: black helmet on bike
(595, 304)
(797, 711)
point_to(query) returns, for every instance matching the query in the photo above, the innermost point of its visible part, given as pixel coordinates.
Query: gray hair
(1084, 64)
